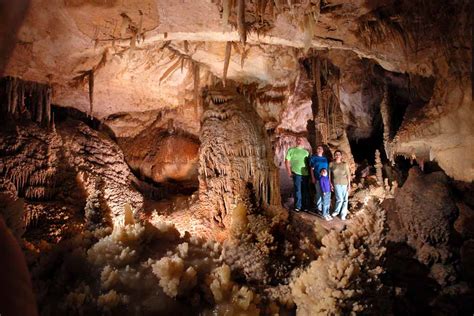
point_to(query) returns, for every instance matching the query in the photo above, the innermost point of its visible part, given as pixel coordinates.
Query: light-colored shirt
(297, 157)
(340, 173)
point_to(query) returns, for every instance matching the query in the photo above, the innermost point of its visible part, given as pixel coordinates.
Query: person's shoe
(334, 214)
(297, 210)
(328, 218)
(343, 218)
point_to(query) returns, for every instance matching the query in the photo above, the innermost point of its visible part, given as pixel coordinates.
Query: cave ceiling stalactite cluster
(143, 146)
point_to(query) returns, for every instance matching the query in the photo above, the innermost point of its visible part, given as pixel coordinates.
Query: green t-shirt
(297, 157)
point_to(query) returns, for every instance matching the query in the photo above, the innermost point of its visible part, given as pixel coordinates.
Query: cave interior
(143, 147)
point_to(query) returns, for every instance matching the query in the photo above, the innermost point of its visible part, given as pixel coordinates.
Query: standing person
(317, 163)
(341, 183)
(325, 187)
(296, 161)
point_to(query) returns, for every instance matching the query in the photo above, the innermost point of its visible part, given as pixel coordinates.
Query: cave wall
(55, 170)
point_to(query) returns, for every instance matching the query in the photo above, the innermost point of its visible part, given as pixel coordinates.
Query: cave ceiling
(131, 45)
(115, 59)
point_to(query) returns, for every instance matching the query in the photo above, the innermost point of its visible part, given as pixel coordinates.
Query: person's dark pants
(301, 186)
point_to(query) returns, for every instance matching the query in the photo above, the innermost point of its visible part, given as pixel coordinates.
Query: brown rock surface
(56, 170)
(172, 156)
(467, 259)
(426, 212)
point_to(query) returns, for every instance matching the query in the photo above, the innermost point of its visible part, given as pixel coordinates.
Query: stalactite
(39, 110)
(318, 116)
(225, 13)
(31, 97)
(140, 33)
(241, 27)
(197, 96)
(228, 50)
(171, 69)
(133, 40)
(126, 21)
(90, 76)
(14, 97)
(49, 96)
(243, 55)
(308, 30)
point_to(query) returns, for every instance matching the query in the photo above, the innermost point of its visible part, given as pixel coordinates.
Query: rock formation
(235, 158)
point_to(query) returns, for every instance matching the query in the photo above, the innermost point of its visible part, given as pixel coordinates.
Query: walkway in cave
(178, 210)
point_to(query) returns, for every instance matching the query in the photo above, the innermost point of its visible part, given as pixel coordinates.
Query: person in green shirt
(296, 163)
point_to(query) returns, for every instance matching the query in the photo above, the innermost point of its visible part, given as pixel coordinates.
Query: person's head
(299, 141)
(323, 172)
(319, 150)
(338, 155)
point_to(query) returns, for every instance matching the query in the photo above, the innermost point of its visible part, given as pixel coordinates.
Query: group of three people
(326, 177)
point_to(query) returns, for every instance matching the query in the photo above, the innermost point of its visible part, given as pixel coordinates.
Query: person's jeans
(319, 197)
(326, 201)
(342, 200)
(301, 191)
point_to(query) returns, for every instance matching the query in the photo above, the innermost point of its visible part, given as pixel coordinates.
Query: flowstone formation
(235, 157)
(429, 228)
(346, 277)
(58, 170)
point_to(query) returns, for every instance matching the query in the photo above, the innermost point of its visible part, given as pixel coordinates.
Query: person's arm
(311, 170)
(348, 173)
(330, 178)
(329, 175)
(287, 162)
(288, 167)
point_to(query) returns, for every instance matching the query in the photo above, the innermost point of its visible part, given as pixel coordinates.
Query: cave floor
(179, 211)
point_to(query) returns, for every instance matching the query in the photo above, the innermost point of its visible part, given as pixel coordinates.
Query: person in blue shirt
(325, 187)
(316, 163)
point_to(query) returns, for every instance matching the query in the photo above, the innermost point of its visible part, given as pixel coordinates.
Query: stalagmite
(235, 156)
(378, 167)
(128, 215)
(385, 113)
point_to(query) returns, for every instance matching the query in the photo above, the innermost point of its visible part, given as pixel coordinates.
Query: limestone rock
(426, 212)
